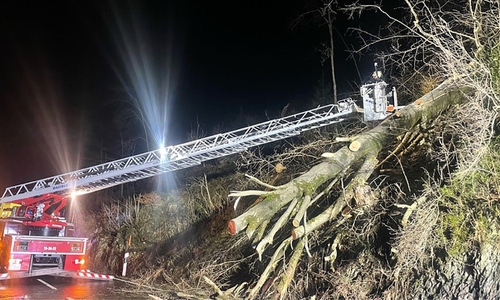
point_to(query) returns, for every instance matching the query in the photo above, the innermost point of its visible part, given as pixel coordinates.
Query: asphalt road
(62, 288)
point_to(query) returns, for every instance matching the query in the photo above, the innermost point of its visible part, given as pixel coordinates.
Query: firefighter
(39, 211)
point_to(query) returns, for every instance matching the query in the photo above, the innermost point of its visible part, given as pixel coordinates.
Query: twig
(401, 144)
(272, 187)
(247, 193)
(214, 286)
(302, 210)
(306, 242)
(333, 255)
(410, 209)
(346, 139)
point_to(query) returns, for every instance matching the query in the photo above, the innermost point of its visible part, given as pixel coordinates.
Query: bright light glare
(76, 193)
(163, 152)
(150, 74)
(149, 71)
(56, 126)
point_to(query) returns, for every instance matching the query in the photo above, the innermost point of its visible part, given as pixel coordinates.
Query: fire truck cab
(36, 239)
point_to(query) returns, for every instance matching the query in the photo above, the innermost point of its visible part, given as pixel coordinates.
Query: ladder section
(181, 156)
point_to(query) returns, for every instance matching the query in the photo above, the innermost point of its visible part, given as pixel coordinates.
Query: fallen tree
(298, 195)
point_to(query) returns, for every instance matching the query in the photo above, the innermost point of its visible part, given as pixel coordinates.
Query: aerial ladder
(37, 240)
(171, 158)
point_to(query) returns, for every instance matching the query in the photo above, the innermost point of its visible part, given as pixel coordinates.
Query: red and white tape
(89, 274)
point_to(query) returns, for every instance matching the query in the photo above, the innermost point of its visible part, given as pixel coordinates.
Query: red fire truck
(37, 240)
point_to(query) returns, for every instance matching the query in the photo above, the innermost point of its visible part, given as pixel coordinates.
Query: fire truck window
(20, 211)
(52, 208)
(30, 212)
(62, 212)
(15, 228)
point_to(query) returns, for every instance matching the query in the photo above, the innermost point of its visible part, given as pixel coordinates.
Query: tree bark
(363, 149)
(472, 276)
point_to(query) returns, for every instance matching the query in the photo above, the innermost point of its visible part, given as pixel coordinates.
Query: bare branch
(254, 179)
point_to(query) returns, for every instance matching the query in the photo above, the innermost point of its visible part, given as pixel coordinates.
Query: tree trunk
(305, 189)
(332, 61)
(475, 275)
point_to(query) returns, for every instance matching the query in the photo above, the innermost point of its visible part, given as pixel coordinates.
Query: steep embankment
(432, 231)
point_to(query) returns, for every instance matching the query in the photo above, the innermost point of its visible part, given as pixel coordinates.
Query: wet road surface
(55, 288)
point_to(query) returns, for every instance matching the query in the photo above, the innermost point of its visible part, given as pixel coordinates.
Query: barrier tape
(89, 274)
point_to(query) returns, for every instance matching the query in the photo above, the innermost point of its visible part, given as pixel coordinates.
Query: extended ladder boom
(181, 156)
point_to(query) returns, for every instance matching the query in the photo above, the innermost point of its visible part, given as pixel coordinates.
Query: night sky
(227, 61)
